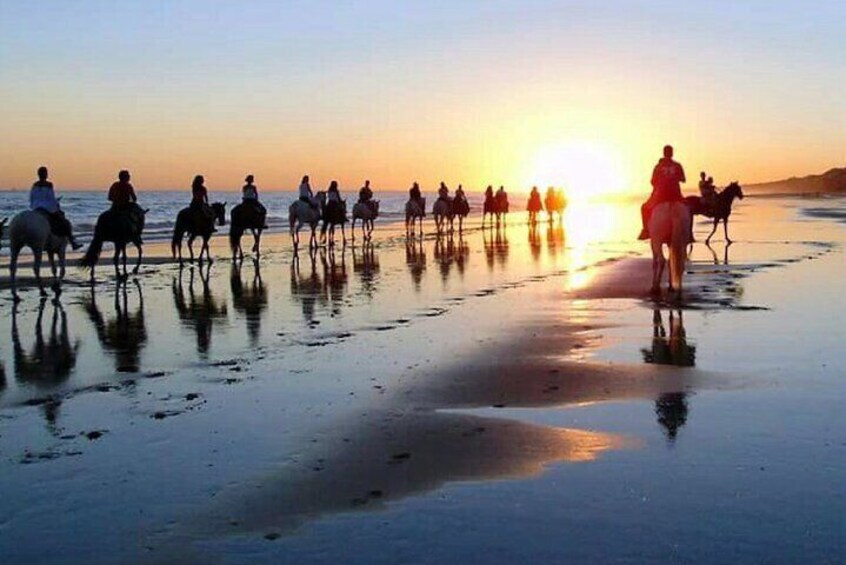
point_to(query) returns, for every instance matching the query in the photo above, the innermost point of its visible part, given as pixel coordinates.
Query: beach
(508, 394)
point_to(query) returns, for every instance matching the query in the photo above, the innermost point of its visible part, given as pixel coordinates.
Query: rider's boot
(644, 234)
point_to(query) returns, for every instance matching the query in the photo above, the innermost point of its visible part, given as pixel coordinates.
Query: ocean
(82, 207)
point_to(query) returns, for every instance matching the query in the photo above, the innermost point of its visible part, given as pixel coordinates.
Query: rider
(121, 193)
(443, 193)
(535, 204)
(707, 190)
(250, 196)
(415, 196)
(667, 177)
(200, 198)
(365, 195)
(306, 194)
(502, 199)
(43, 199)
(459, 194)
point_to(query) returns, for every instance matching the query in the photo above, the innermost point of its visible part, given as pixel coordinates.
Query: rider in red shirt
(667, 177)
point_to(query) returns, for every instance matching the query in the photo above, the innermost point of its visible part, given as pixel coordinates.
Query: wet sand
(510, 394)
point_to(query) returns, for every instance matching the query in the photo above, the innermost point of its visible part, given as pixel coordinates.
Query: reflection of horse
(671, 407)
(49, 363)
(721, 209)
(121, 227)
(367, 212)
(415, 260)
(366, 266)
(535, 245)
(443, 214)
(334, 279)
(249, 300)
(194, 222)
(444, 255)
(125, 335)
(304, 214)
(306, 290)
(669, 225)
(714, 254)
(245, 216)
(414, 211)
(496, 246)
(32, 229)
(198, 313)
(556, 238)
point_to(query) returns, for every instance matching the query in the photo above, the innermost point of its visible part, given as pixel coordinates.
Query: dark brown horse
(243, 217)
(121, 227)
(196, 222)
(720, 211)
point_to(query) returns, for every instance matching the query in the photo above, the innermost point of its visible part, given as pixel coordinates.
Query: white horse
(303, 214)
(669, 225)
(367, 213)
(32, 229)
(442, 211)
(414, 211)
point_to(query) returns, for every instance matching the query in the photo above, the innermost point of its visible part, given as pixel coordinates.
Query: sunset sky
(582, 94)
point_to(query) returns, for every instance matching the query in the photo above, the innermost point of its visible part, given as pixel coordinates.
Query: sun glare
(584, 169)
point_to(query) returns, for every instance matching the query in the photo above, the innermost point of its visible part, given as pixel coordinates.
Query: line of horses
(670, 224)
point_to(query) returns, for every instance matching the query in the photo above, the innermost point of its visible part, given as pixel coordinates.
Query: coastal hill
(833, 180)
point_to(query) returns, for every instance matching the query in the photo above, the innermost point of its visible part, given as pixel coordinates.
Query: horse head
(219, 209)
(735, 189)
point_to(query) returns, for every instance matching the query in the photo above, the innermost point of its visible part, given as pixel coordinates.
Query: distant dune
(833, 180)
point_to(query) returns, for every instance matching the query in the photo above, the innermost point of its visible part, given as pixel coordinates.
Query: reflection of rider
(43, 199)
(667, 177)
(250, 196)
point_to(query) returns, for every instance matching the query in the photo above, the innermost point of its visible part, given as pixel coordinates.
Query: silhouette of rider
(534, 201)
(306, 194)
(443, 193)
(200, 198)
(365, 195)
(502, 199)
(43, 199)
(667, 177)
(249, 196)
(415, 195)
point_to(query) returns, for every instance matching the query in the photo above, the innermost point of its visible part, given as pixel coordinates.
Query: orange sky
(501, 93)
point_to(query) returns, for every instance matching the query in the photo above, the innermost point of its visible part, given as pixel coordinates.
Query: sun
(584, 169)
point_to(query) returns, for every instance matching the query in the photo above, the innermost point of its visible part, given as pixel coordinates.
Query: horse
(720, 211)
(367, 212)
(534, 207)
(31, 229)
(301, 214)
(120, 227)
(195, 222)
(555, 204)
(461, 209)
(245, 217)
(334, 214)
(443, 214)
(414, 211)
(669, 225)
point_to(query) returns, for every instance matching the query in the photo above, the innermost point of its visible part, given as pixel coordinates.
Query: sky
(577, 94)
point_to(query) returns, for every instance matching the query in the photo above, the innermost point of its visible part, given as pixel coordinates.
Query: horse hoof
(42, 292)
(16, 298)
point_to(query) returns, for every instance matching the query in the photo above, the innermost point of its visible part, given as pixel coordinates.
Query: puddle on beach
(409, 378)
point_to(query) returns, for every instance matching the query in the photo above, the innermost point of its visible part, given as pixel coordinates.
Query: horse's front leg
(52, 258)
(116, 261)
(13, 271)
(726, 231)
(123, 260)
(257, 246)
(190, 243)
(344, 234)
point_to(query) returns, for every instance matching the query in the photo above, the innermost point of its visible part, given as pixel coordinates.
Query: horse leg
(726, 231)
(13, 270)
(657, 267)
(52, 258)
(140, 254)
(116, 261)
(36, 267)
(123, 261)
(344, 234)
(708, 239)
(191, 248)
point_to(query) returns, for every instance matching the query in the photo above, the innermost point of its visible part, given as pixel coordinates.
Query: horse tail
(678, 244)
(92, 255)
(233, 237)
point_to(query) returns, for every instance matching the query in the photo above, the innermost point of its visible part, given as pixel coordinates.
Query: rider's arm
(132, 196)
(112, 193)
(681, 173)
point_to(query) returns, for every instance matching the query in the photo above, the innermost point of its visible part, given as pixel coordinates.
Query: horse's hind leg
(140, 255)
(36, 268)
(13, 271)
